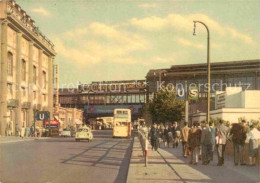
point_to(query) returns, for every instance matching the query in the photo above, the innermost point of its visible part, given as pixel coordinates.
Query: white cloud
(186, 42)
(41, 11)
(150, 23)
(99, 43)
(147, 5)
(237, 35)
(185, 23)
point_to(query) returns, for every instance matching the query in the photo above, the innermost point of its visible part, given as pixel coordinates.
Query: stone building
(26, 79)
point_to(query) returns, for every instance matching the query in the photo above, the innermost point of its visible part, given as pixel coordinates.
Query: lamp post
(160, 75)
(208, 62)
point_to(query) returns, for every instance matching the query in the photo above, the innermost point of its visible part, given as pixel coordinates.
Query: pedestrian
(194, 142)
(221, 140)
(31, 131)
(213, 138)
(253, 137)
(176, 133)
(154, 136)
(167, 136)
(184, 138)
(22, 131)
(206, 143)
(238, 134)
(160, 131)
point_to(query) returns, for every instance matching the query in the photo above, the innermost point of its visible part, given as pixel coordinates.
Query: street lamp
(208, 62)
(160, 75)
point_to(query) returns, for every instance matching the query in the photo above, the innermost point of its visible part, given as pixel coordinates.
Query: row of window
(10, 90)
(10, 65)
(103, 99)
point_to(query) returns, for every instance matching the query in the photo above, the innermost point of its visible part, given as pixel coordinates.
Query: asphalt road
(62, 160)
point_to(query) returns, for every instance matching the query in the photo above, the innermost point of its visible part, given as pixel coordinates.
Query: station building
(26, 77)
(243, 74)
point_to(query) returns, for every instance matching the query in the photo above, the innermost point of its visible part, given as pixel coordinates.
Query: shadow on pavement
(208, 173)
(107, 154)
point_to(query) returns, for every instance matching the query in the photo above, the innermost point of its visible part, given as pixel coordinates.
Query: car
(84, 133)
(65, 133)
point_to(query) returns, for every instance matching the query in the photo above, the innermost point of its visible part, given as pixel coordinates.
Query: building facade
(233, 105)
(27, 58)
(244, 74)
(69, 117)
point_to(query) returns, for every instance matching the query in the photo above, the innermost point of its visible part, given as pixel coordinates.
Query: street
(63, 160)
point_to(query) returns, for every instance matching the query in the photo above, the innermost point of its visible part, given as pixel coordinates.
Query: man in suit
(221, 140)
(206, 143)
(176, 133)
(238, 133)
(184, 137)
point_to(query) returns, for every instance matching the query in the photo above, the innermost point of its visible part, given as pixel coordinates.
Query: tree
(165, 107)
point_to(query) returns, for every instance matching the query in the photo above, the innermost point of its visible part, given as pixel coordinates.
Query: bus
(122, 123)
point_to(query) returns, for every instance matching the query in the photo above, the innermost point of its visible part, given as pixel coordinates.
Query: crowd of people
(201, 140)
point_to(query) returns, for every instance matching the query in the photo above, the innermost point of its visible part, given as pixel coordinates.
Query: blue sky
(121, 40)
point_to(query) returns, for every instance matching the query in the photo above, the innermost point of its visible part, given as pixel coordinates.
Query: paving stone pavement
(168, 165)
(13, 139)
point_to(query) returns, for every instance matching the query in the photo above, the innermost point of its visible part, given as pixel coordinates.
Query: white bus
(122, 123)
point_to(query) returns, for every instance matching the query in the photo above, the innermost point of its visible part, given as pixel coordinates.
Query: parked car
(65, 133)
(84, 133)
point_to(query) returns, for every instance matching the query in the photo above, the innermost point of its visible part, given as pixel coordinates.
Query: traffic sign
(42, 115)
(193, 93)
(180, 93)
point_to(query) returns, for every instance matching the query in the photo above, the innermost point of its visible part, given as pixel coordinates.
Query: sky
(103, 40)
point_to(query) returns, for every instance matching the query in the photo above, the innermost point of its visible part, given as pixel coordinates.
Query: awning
(78, 122)
(57, 118)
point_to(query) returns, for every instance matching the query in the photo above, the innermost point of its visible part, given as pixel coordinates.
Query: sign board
(220, 101)
(193, 93)
(180, 93)
(53, 124)
(109, 109)
(42, 115)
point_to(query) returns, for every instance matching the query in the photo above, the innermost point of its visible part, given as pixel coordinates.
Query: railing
(143, 137)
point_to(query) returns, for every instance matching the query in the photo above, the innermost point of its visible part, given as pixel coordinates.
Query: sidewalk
(13, 139)
(168, 165)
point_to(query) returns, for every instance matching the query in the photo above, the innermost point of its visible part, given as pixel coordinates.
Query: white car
(65, 133)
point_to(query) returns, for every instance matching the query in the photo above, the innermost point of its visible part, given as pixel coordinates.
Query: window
(34, 74)
(10, 89)
(258, 82)
(34, 95)
(44, 97)
(24, 116)
(23, 70)
(10, 64)
(44, 79)
(24, 92)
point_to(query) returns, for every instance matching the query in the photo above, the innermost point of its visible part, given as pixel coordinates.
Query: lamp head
(194, 29)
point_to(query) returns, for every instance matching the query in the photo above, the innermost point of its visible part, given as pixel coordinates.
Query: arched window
(10, 63)
(23, 70)
(44, 79)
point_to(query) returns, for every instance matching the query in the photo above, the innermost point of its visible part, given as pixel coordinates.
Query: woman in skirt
(253, 137)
